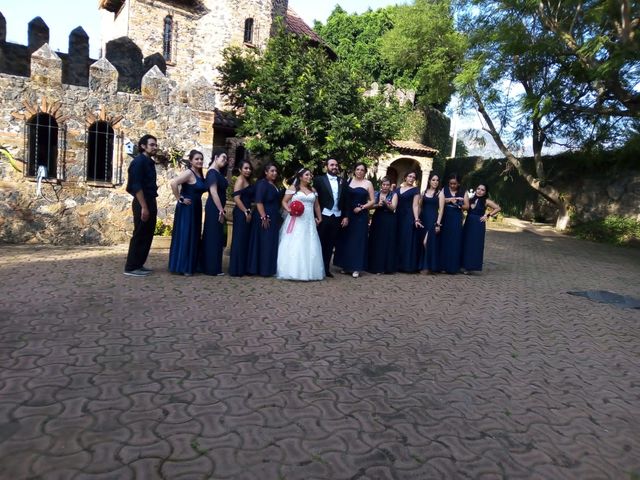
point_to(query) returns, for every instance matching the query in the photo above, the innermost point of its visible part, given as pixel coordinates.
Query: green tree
(425, 46)
(356, 39)
(299, 107)
(517, 75)
(598, 50)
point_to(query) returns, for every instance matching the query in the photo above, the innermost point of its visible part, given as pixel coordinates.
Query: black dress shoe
(329, 274)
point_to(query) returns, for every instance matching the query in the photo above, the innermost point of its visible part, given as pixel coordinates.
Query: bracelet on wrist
(181, 199)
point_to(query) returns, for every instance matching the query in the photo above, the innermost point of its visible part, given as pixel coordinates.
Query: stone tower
(190, 34)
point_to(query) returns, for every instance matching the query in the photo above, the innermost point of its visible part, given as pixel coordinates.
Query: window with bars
(99, 165)
(248, 30)
(42, 145)
(167, 38)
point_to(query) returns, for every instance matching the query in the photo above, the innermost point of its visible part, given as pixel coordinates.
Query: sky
(18, 13)
(61, 22)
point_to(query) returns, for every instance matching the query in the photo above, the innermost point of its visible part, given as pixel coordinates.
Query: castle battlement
(75, 66)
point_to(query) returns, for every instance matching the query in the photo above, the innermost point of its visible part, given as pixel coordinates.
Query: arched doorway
(100, 152)
(42, 138)
(400, 167)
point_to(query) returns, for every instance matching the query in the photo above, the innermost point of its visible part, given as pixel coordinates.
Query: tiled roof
(297, 26)
(411, 146)
(224, 119)
(110, 5)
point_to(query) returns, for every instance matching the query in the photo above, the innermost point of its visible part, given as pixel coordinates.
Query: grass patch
(613, 229)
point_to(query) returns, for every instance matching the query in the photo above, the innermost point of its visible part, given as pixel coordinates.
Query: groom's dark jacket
(325, 195)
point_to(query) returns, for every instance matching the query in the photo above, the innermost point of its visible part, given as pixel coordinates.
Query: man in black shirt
(141, 183)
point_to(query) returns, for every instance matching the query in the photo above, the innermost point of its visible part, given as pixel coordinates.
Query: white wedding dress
(299, 252)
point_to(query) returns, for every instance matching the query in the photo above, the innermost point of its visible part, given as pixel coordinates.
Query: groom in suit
(332, 195)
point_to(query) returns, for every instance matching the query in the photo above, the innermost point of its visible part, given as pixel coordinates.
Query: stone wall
(73, 210)
(592, 195)
(200, 32)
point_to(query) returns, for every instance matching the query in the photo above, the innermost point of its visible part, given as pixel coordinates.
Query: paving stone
(496, 375)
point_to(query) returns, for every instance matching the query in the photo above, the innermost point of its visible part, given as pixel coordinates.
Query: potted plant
(161, 235)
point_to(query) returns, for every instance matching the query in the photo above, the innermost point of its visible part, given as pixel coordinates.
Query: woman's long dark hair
(439, 187)
(238, 169)
(266, 168)
(456, 177)
(295, 181)
(216, 153)
(192, 154)
(483, 199)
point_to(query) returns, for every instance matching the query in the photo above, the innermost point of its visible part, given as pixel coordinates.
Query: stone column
(76, 71)
(3, 29)
(38, 33)
(3, 40)
(103, 77)
(156, 86)
(46, 67)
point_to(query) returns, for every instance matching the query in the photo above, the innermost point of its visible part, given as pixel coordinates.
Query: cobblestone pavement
(499, 375)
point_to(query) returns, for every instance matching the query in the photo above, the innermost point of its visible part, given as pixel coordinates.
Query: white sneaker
(137, 273)
(355, 274)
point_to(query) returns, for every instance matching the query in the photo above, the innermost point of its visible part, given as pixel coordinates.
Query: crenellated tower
(191, 34)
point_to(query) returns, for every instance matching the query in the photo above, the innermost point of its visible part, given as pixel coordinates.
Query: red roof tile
(409, 145)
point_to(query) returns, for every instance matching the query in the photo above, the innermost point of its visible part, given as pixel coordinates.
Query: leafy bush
(612, 229)
(162, 229)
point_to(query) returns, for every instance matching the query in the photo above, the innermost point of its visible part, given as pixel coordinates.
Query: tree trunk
(562, 222)
(537, 183)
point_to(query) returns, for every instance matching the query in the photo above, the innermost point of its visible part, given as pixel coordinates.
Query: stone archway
(409, 156)
(401, 166)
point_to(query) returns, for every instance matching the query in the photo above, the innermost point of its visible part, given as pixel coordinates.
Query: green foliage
(162, 229)
(7, 154)
(612, 229)
(521, 66)
(506, 187)
(356, 40)
(425, 47)
(299, 107)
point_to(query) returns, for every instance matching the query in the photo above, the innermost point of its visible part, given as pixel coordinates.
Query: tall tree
(299, 107)
(599, 52)
(521, 79)
(356, 39)
(426, 48)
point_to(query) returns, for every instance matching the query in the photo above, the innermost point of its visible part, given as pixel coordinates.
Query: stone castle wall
(200, 33)
(71, 209)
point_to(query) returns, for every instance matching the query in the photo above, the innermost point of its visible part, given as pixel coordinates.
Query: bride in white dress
(299, 250)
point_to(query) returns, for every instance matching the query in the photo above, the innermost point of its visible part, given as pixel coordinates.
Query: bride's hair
(295, 181)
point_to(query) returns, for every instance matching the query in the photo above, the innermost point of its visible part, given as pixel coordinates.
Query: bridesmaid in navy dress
(475, 227)
(265, 226)
(351, 249)
(243, 196)
(187, 221)
(452, 202)
(382, 233)
(408, 213)
(428, 262)
(213, 235)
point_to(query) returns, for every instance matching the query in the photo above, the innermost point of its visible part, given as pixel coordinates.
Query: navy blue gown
(351, 248)
(429, 217)
(241, 231)
(382, 239)
(213, 235)
(408, 238)
(263, 243)
(451, 235)
(473, 237)
(187, 224)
